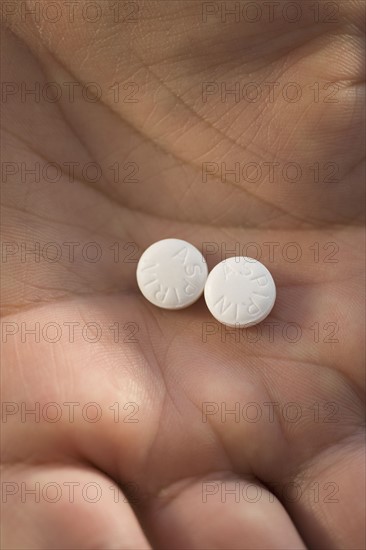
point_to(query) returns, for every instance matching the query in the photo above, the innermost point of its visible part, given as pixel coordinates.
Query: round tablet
(240, 292)
(171, 274)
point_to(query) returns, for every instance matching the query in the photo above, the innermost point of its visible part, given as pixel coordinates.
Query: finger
(66, 507)
(220, 511)
(328, 501)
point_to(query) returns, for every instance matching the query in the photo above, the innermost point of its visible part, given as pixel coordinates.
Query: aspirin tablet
(171, 274)
(240, 292)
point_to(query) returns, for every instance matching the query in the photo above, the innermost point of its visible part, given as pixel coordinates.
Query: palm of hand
(180, 365)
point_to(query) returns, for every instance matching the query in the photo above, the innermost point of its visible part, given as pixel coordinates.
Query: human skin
(174, 453)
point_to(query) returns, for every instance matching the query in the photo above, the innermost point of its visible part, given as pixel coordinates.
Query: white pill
(240, 292)
(171, 274)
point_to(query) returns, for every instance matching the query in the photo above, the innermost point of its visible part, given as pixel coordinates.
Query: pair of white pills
(239, 291)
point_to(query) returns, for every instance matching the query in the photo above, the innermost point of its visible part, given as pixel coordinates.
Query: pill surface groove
(171, 274)
(240, 292)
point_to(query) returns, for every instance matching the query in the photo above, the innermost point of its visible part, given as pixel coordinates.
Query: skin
(164, 480)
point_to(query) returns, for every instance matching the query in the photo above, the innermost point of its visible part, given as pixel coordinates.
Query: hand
(152, 462)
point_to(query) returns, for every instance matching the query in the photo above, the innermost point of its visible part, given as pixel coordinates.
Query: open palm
(158, 428)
